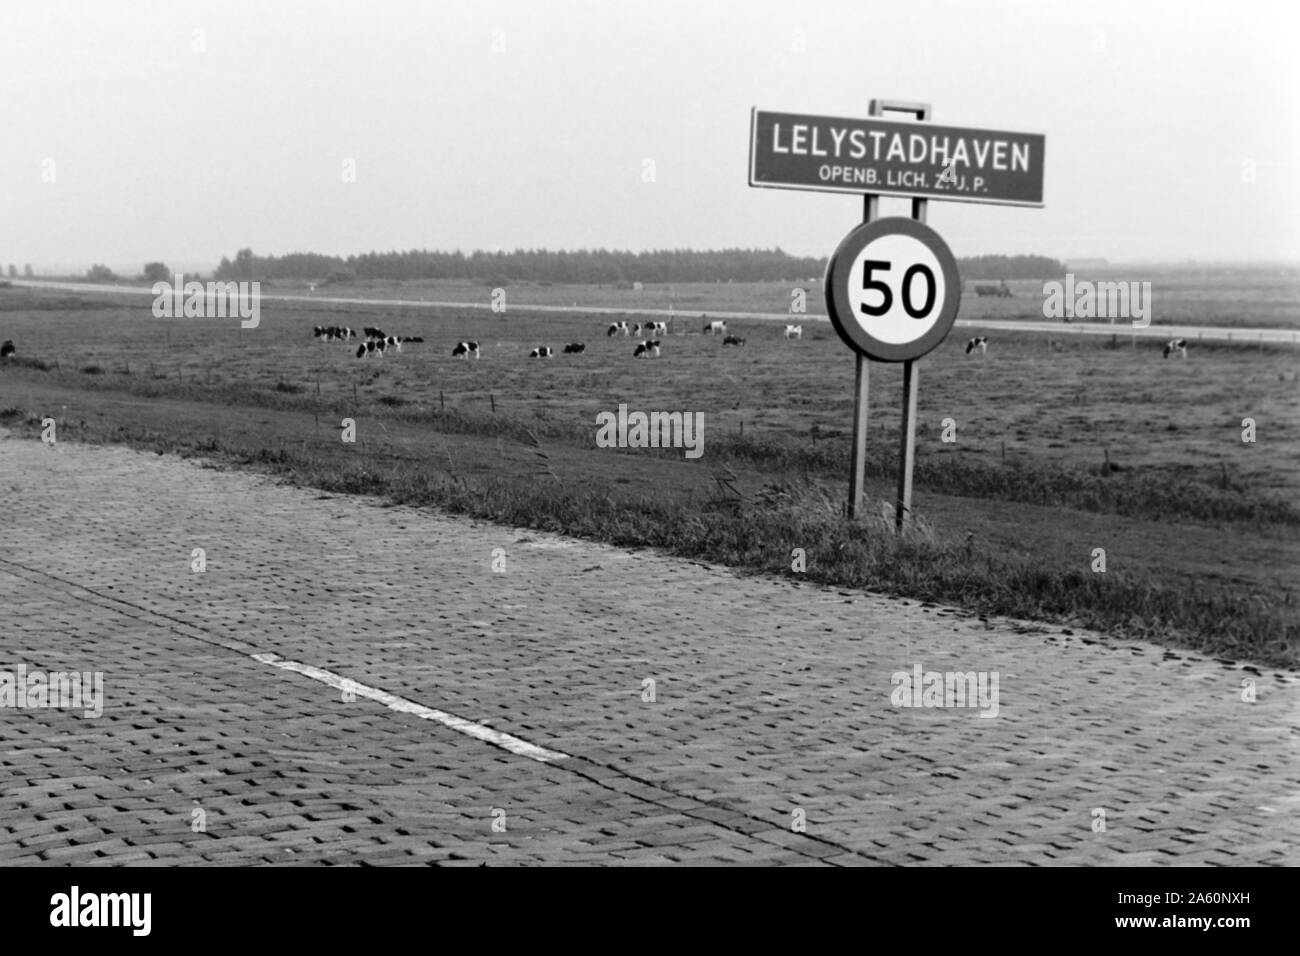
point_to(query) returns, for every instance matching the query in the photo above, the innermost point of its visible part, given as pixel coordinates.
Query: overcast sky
(167, 143)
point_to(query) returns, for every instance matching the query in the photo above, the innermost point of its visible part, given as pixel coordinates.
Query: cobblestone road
(770, 738)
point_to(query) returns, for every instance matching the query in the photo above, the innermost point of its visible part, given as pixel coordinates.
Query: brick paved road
(771, 700)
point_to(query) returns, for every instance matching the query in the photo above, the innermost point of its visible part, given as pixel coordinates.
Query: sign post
(907, 441)
(892, 288)
(907, 447)
(892, 292)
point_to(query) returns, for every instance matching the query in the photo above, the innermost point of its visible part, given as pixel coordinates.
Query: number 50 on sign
(892, 289)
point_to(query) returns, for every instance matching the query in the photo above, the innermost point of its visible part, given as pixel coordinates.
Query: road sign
(892, 289)
(885, 157)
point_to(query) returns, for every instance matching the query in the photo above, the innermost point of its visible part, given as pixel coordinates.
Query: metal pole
(907, 427)
(907, 446)
(859, 437)
(861, 398)
(907, 438)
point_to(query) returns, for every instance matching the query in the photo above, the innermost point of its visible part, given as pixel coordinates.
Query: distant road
(1195, 332)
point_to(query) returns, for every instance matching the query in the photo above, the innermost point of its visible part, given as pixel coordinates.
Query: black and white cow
(619, 328)
(331, 333)
(1176, 345)
(733, 340)
(655, 328)
(7, 349)
(465, 350)
(575, 348)
(980, 342)
(647, 349)
(374, 333)
(716, 326)
(542, 351)
(794, 332)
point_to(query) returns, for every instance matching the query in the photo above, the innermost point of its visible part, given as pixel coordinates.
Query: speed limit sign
(892, 289)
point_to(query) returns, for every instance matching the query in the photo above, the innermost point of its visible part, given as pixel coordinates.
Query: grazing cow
(794, 332)
(733, 340)
(716, 325)
(373, 333)
(7, 349)
(573, 348)
(1001, 291)
(465, 350)
(980, 342)
(647, 349)
(330, 333)
(542, 351)
(1176, 345)
(656, 328)
(616, 328)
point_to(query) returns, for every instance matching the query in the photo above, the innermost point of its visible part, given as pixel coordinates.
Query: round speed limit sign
(892, 289)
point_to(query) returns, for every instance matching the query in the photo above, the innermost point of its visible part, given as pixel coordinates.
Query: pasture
(1061, 399)
(1063, 443)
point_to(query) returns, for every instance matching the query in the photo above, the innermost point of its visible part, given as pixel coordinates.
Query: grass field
(1200, 528)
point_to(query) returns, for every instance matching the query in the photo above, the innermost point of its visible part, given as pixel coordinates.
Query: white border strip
(403, 706)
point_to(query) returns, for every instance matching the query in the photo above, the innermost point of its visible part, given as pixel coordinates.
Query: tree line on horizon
(584, 266)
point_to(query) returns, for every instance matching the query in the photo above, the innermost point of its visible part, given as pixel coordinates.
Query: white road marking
(404, 706)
